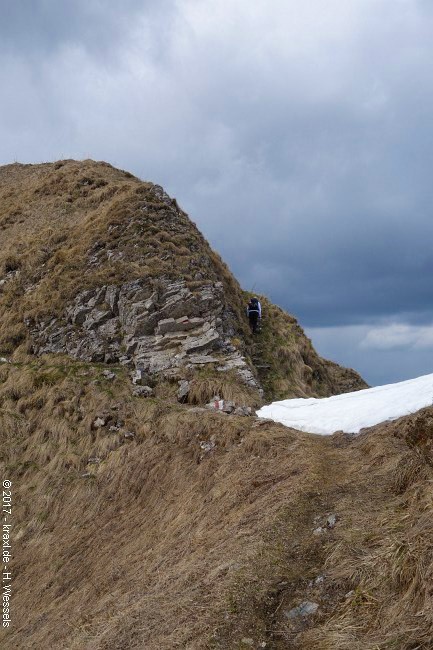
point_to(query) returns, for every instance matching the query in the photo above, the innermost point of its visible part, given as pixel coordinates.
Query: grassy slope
(163, 545)
(70, 225)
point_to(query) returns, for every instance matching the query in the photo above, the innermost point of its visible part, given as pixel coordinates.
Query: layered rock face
(158, 331)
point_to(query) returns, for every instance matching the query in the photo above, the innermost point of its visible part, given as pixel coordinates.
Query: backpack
(254, 303)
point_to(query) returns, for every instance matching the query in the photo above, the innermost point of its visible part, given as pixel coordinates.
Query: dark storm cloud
(297, 135)
(38, 28)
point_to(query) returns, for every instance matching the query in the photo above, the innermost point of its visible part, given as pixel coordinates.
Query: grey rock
(79, 315)
(202, 342)
(137, 377)
(98, 297)
(166, 325)
(93, 460)
(201, 359)
(242, 410)
(216, 404)
(129, 435)
(162, 331)
(182, 324)
(307, 608)
(331, 521)
(157, 361)
(319, 530)
(228, 406)
(183, 391)
(142, 391)
(207, 446)
(99, 422)
(112, 299)
(96, 318)
(109, 375)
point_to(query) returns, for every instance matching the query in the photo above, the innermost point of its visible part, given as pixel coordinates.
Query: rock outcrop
(160, 332)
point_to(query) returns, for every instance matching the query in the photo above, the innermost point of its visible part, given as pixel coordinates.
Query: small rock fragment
(331, 521)
(183, 391)
(137, 377)
(307, 608)
(242, 410)
(99, 422)
(228, 406)
(319, 530)
(207, 445)
(142, 391)
(129, 435)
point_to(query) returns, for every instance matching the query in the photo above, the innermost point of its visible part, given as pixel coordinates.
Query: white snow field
(351, 412)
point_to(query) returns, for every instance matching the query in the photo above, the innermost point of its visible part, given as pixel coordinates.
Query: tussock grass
(197, 532)
(226, 385)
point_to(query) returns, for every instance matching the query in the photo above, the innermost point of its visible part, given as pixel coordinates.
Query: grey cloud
(36, 30)
(378, 366)
(299, 140)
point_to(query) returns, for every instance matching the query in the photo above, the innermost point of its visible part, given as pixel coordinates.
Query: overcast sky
(297, 134)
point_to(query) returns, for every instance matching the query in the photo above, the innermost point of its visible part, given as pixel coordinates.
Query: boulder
(183, 391)
(142, 391)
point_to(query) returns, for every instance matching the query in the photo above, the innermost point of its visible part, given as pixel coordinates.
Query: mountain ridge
(146, 512)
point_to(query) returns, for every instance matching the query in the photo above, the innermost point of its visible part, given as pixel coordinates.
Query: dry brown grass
(197, 533)
(383, 561)
(226, 385)
(295, 368)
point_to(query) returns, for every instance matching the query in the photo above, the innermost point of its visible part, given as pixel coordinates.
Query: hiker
(254, 313)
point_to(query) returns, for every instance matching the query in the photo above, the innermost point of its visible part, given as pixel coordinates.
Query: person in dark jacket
(254, 313)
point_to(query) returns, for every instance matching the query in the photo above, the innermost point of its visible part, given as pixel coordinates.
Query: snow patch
(352, 412)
